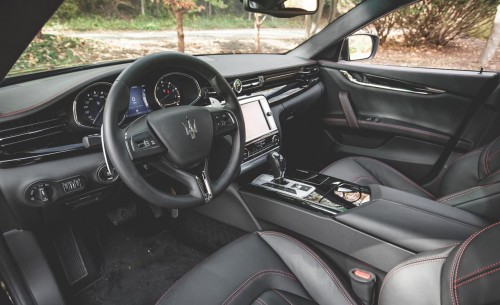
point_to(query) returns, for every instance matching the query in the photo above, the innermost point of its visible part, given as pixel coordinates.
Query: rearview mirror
(282, 8)
(360, 46)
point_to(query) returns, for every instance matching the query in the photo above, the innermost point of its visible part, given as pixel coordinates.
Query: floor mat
(138, 269)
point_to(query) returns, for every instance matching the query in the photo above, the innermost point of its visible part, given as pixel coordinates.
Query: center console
(376, 224)
(316, 191)
(262, 135)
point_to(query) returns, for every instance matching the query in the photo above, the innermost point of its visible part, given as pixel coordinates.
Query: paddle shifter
(278, 167)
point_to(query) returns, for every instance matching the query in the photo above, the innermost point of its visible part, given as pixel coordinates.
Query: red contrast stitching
(319, 260)
(487, 157)
(478, 271)
(466, 155)
(366, 177)
(394, 271)
(254, 277)
(284, 298)
(261, 301)
(457, 260)
(184, 276)
(494, 156)
(463, 193)
(477, 277)
(398, 173)
(440, 248)
(494, 173)
(428, 133)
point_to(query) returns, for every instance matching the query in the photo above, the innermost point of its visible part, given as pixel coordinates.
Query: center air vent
(240, 85)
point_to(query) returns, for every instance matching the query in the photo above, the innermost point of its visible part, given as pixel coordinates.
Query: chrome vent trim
(27, 132)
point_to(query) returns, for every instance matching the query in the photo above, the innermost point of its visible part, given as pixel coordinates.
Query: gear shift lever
(278, 166)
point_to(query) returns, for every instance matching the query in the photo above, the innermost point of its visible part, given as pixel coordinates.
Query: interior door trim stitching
(428, 133)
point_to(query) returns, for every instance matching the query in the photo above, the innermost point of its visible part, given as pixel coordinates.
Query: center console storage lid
(412, 222)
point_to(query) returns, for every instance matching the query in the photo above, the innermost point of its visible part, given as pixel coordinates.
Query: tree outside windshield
(93, 31)
(450, 34)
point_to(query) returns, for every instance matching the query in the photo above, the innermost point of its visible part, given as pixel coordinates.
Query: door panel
(405, 117)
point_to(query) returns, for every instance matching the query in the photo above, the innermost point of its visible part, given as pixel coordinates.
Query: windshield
(88, 32)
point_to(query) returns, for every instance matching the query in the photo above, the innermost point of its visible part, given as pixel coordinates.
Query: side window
(440, 34)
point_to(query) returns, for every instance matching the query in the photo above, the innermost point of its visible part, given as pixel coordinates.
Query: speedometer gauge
(167, 93)
(88, 106)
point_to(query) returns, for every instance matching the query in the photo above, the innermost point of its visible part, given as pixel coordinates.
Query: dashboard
(161, 90)
(50, 126)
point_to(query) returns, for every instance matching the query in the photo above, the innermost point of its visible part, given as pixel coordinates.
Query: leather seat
(261, 268)
(469, 182)
(271, 268)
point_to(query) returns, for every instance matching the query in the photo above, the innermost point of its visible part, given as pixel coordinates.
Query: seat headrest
(489, 162)
(471, 274)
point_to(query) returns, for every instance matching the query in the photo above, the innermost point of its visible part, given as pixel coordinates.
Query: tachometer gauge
(88, 106)
(166, 93)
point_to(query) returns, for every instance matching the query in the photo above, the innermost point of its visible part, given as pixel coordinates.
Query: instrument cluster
(157, 92)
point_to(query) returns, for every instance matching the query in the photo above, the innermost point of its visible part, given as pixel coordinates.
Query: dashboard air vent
(31, 135)
(247, 84)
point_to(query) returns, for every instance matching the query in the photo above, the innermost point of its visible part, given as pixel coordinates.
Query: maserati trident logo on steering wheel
(190, 128)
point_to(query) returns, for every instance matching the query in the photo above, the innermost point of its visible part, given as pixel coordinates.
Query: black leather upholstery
(264, 268)
(467, 274)
(470, 182)
(365, 171)
(271, 268)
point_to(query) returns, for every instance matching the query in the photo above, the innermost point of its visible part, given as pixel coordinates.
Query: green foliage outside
(438, 22)
(148, 23)
(51, 51)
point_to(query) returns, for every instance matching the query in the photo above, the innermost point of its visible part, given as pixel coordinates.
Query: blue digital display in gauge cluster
(138, 103)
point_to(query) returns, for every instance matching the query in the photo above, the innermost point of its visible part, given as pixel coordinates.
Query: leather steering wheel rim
(118, 150)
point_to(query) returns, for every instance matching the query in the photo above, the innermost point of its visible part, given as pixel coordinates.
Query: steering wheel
(176, 141)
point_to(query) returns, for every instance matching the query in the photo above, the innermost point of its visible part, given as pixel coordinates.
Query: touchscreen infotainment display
(138, 103)
(255, 121)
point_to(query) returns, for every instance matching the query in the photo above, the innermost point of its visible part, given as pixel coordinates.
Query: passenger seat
(471, 182)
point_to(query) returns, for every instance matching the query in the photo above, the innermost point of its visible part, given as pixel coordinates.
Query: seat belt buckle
(363, 285)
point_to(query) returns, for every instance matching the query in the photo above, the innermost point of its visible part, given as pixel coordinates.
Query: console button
(72, 184)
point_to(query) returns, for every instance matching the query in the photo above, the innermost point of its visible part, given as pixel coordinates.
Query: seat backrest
(478, 167)
(465, 274)
(472, 182)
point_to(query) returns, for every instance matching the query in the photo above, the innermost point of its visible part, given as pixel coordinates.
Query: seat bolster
(416, 281)
(471, 275)
(489, 163)
(322, 284)
(461, 174)
(237, 274)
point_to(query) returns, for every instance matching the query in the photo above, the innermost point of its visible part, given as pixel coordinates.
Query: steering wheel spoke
(141, 142)
(224, 121)
(197, 180)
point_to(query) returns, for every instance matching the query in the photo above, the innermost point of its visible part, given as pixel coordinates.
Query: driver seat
(271, 268)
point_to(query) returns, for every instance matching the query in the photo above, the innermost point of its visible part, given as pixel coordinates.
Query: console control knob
(40, 194)
(275, 139)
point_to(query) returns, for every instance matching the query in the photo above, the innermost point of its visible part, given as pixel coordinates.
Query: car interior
(299, 178)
